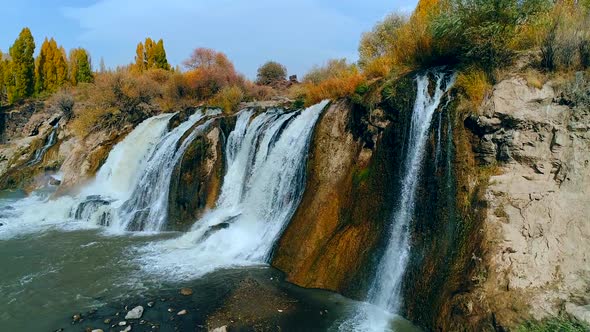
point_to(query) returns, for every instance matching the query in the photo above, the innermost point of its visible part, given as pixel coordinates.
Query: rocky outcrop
(536, 227)
(336, 232)
(82, 157)
(29, 154)
(196, 180)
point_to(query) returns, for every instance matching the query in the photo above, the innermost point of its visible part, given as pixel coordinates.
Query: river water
(103, 251)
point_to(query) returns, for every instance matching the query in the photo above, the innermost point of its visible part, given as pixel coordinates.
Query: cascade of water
(384, 298)
(262, 187)
(131, 189)
(385, 291)
(128, 159)
(96, 202)
(147, 208)
(50, 141)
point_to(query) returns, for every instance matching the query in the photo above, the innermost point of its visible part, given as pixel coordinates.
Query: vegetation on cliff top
(478, 37)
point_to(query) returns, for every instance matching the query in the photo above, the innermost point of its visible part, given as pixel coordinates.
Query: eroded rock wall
(197, 178)
(537, 226)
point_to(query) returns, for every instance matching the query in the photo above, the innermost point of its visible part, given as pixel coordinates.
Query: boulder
(135, 313)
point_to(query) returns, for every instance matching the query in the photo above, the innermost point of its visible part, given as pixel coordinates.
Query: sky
(296, 33)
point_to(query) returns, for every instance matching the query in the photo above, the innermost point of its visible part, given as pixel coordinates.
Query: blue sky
(297, 33)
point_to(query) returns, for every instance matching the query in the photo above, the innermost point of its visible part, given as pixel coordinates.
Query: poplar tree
(160, 60)
(150, 55)
(140, 58)
(103, 67)
(80, 66)
(2, 88)
(21, 80)
(51, 71)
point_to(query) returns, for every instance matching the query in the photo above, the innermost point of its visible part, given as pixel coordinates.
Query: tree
(160, 60)
(80, 66)
(271, 73)
(51, 71)
(210, 71)
(2, 87)
(102, 66)
(140, 64)
(480, 31)
(150, 55)
(21, 80)
(201, 58)
(379, 41)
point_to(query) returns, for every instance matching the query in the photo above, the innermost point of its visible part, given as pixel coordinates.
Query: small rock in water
(122, 323)
(181, 312)
(107, 321)
(98, 330)
(186, 291)
(150, 304)
(127, 329)
(135, 313)
(279, 310)
(1, 224)
(170, 309)
(220, 329)
(76, 317)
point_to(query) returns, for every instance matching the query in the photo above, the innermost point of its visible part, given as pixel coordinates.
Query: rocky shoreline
(252, 299)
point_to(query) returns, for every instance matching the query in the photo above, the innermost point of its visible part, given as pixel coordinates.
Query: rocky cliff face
(500, 234)
(328, 223)
(196, 180)
(536, 227)
(30, 146)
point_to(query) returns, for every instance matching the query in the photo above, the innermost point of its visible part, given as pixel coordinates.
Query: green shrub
(482, 31)
(556, 324)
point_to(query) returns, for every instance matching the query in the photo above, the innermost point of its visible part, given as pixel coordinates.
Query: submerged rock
(219, 329)
(182, 312)
(186, 291)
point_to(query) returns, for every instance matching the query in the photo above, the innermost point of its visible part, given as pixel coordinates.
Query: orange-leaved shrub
(336, 79)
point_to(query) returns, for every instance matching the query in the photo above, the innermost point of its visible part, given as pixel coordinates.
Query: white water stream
(262, 187)
(385, 295)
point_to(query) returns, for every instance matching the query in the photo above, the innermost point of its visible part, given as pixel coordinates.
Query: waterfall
(147, 209)
(266, 158)
(49, 142)
(385, 291)
(128, 159)
(131, 189)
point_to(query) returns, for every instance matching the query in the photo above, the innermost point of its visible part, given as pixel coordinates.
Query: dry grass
(87, 120)
(535, 78)
(339, 86)
(474, 85)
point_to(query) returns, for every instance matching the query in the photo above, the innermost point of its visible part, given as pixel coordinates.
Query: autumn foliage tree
(209, 72)
(20, 76)
(80, 66)
(51, 71)
(149, 55)
(2, 73)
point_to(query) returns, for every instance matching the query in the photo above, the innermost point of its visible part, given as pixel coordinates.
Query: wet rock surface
(235, 300)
